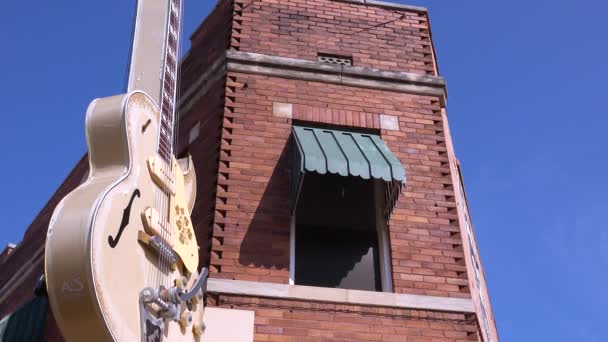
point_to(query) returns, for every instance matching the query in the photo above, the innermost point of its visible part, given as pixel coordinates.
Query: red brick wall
(252, 217)
(34, 238)
(205, 155)
(303, 28)
(282, 320)
(251, 236)
(208, 43)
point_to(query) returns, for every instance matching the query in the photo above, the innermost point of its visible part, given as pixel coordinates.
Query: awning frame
(347, 154)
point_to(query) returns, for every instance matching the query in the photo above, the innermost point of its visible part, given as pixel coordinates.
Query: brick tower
(330, 206)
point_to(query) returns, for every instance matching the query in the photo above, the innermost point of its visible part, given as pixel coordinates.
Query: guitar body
(96, 264)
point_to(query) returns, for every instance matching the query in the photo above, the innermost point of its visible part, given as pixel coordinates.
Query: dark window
(336, 240)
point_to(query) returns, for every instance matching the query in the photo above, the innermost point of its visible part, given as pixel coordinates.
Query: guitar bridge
(159, 246)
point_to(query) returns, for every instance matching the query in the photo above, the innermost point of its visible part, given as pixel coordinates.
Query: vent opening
(334, 59)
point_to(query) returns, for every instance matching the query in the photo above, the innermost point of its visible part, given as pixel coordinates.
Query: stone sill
(339, 296)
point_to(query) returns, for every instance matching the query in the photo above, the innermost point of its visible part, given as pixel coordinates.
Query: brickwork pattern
(208, 44)
(427, 256)
(205, 152)
(242, 160)
(374, 36)
(283, 320)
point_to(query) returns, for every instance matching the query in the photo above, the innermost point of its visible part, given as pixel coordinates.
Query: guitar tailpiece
(169, 306)
(171, 295)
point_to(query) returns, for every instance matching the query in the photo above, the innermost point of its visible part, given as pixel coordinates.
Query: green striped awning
(27, 323)
(345, 153)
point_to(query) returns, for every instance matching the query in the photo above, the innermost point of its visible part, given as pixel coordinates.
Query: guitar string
(166, 166)
(154, 274)
(163, 160)
(178, 47)
(159, 200)
(171, 212)
(170, 217)
(176, 92)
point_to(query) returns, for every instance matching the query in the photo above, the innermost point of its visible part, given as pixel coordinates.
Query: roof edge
(388, 4)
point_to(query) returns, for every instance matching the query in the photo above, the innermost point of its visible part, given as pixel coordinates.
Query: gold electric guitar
(121, 259)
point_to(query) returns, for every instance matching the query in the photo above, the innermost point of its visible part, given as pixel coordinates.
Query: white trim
(292, 250)
(339, 296)
(383, 240)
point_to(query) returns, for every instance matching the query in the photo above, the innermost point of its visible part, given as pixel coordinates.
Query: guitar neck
(169, 84)
(154, 62)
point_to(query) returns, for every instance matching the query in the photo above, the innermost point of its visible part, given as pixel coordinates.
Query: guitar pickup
(152, 223)
(162, 174)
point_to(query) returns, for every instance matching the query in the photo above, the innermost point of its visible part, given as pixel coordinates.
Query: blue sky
(526, 83)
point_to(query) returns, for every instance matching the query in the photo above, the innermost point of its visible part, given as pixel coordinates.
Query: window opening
(336, 235)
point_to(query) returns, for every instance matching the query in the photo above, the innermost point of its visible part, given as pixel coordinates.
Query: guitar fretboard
(169, 85)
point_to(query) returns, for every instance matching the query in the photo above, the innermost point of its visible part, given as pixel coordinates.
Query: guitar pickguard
(170, 180)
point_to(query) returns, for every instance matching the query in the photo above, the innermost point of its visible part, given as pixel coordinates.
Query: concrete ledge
(202, 84)
(251, 58)
(339, 296)
(387, 4)
(404, 82)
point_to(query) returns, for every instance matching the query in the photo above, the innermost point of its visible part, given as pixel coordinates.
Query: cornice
(292, 68)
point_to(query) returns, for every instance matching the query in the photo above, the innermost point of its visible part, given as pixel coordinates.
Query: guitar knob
(197, 329)
(185, 319)
(181, 282)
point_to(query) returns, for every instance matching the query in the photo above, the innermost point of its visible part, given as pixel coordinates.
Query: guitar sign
(129, 271)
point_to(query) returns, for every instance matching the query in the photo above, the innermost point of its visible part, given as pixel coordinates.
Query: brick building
(330, 206)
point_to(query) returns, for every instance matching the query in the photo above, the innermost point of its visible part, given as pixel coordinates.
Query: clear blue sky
(526, 83)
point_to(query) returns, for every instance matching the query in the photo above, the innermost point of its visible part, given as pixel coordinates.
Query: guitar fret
(164, 127)
(171, 62)
(169, 83)
(164, 145)
(167, 112)
(172, 32)
(174, 19)
(174, 6)
(168, 86)
(172, 43)
(169, 74)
